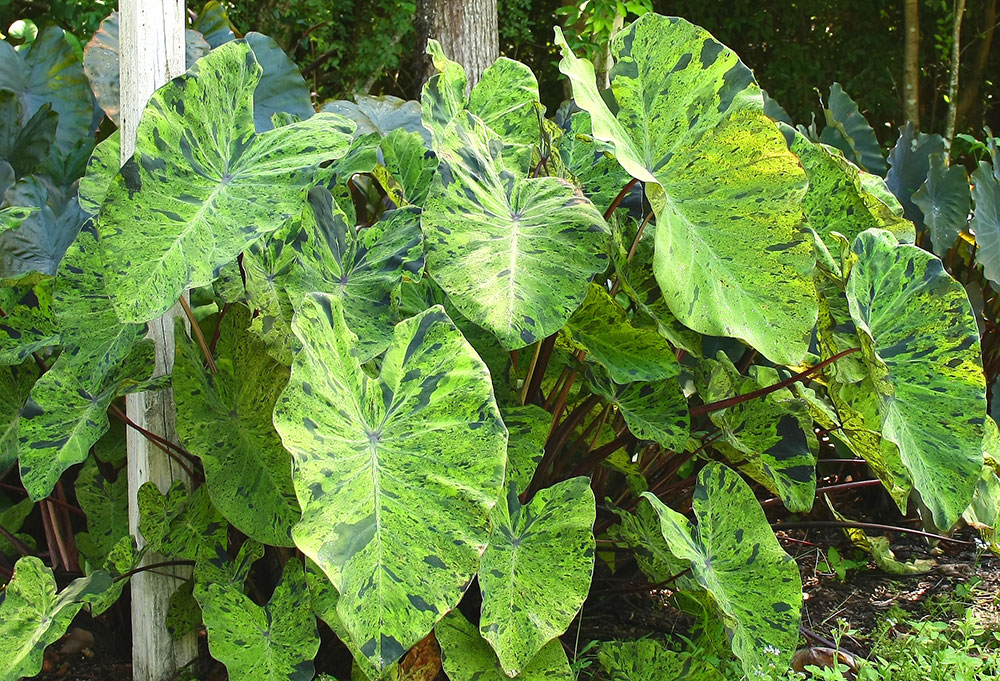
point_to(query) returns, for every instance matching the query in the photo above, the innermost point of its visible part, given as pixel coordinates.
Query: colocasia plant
(439, 350)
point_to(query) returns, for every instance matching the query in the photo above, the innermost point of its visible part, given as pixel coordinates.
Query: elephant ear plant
(445, 358)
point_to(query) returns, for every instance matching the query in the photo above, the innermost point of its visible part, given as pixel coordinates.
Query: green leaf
(909, 162)
(599, 175)
(183, 612)
(37, 246)
(106, 504)
(102, 62)
(986, 220)
(197, 194)
(921, 344)
(382, 114)
(654, 411)
(213, 23)
(276, 642)
(51, 74)
(28, 324)
(225, 419)
(735, 556)
(24, 141)
(640, 531)
(15, 386)
(408, 161)
(443, 95)
(506, 99)
(33, 615)
(601, 327)
(769, 438)
(848, 130)
(528, 428)
(181, 524)
(281, 88)
(466, 656)
(103, 165)
(396, 475)
(730, 257)
(649, 660)
(513, 254)
(11, 519)
(536, 571)
(944, 200)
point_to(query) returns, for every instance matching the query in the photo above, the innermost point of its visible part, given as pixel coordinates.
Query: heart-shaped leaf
(847, 130)
(33, 615)
(198, 191)
(381, 114)
(656, 411)
(909, 162)
(536, 571)
(396, 475)
(466, 656)
(181, 523)
(506, 100)
(514, 254)
(281, 89)
(225, 419)
(38, 244)
(921, 344)
(213, 23)
(944, 199)
(986, 220)
(276, 642)
(736, 558)
(731, 257)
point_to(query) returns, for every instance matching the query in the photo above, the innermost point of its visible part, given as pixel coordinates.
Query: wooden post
(152, 52)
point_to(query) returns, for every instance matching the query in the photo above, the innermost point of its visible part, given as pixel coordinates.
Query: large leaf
(396, 475)
(37, 246)
(281, 88)
(770, 438)
(909, 162)
(656, 411)
(106, 504)
(601, 327)
(24, 141)
(213, 23)
(506, 99)
(528, 428)
(514, 254)
(944, 200)
(848, 130)
(407, 160)
(33, 615)
(466, 656)
(600, 176)
(28, 323)
(730, 256)
(203, 185)
(225, 419)
(51, 74)
(986, 220)
(536, 571)
(276, 642)
(102, 62)
(735, 556)
(649, 660)
(102, 166)
(15, 386)
(920, 341)
(381, 114)
(181, 523)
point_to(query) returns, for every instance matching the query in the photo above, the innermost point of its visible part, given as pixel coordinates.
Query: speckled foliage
(33, 615)
(649, 660)
(736, 558)
(203, 185)
(224, 418)
(690, 124)
(536, 571)
(395, 475)
(656, 410)
(513, 253)
(921, 344)
(276, 642)
(466, 656)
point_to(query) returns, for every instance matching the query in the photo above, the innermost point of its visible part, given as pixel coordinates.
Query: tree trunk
(956, 61)
(911, 62)
(152, 52)
(466, 29)
(969, 96)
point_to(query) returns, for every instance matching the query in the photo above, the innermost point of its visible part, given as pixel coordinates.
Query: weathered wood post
(152, 52)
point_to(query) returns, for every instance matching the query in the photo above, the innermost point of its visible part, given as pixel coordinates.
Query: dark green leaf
(944, 200)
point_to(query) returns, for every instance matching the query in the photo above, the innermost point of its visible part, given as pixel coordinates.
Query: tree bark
(969, 96)
(152, 52)
(911, 62)
(466, 29)
(956, 61)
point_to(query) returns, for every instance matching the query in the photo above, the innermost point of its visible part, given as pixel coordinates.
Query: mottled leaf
(443, 95)
(514, 254)
(654, 411)
(506, 99)
(944, 200)
(921, 344)
(276, 642)
(182, 523)
(735, 556)
(106, 504)
(28, 323)
(601, 327)
(103, 165)
(15, 386)
(407, 160)
(395, 475)
(648, 660)
(528, 428)
(33, 615)
(730, 256)
(466, 656)
(536, 571)
(225, 419)
(197, 194)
